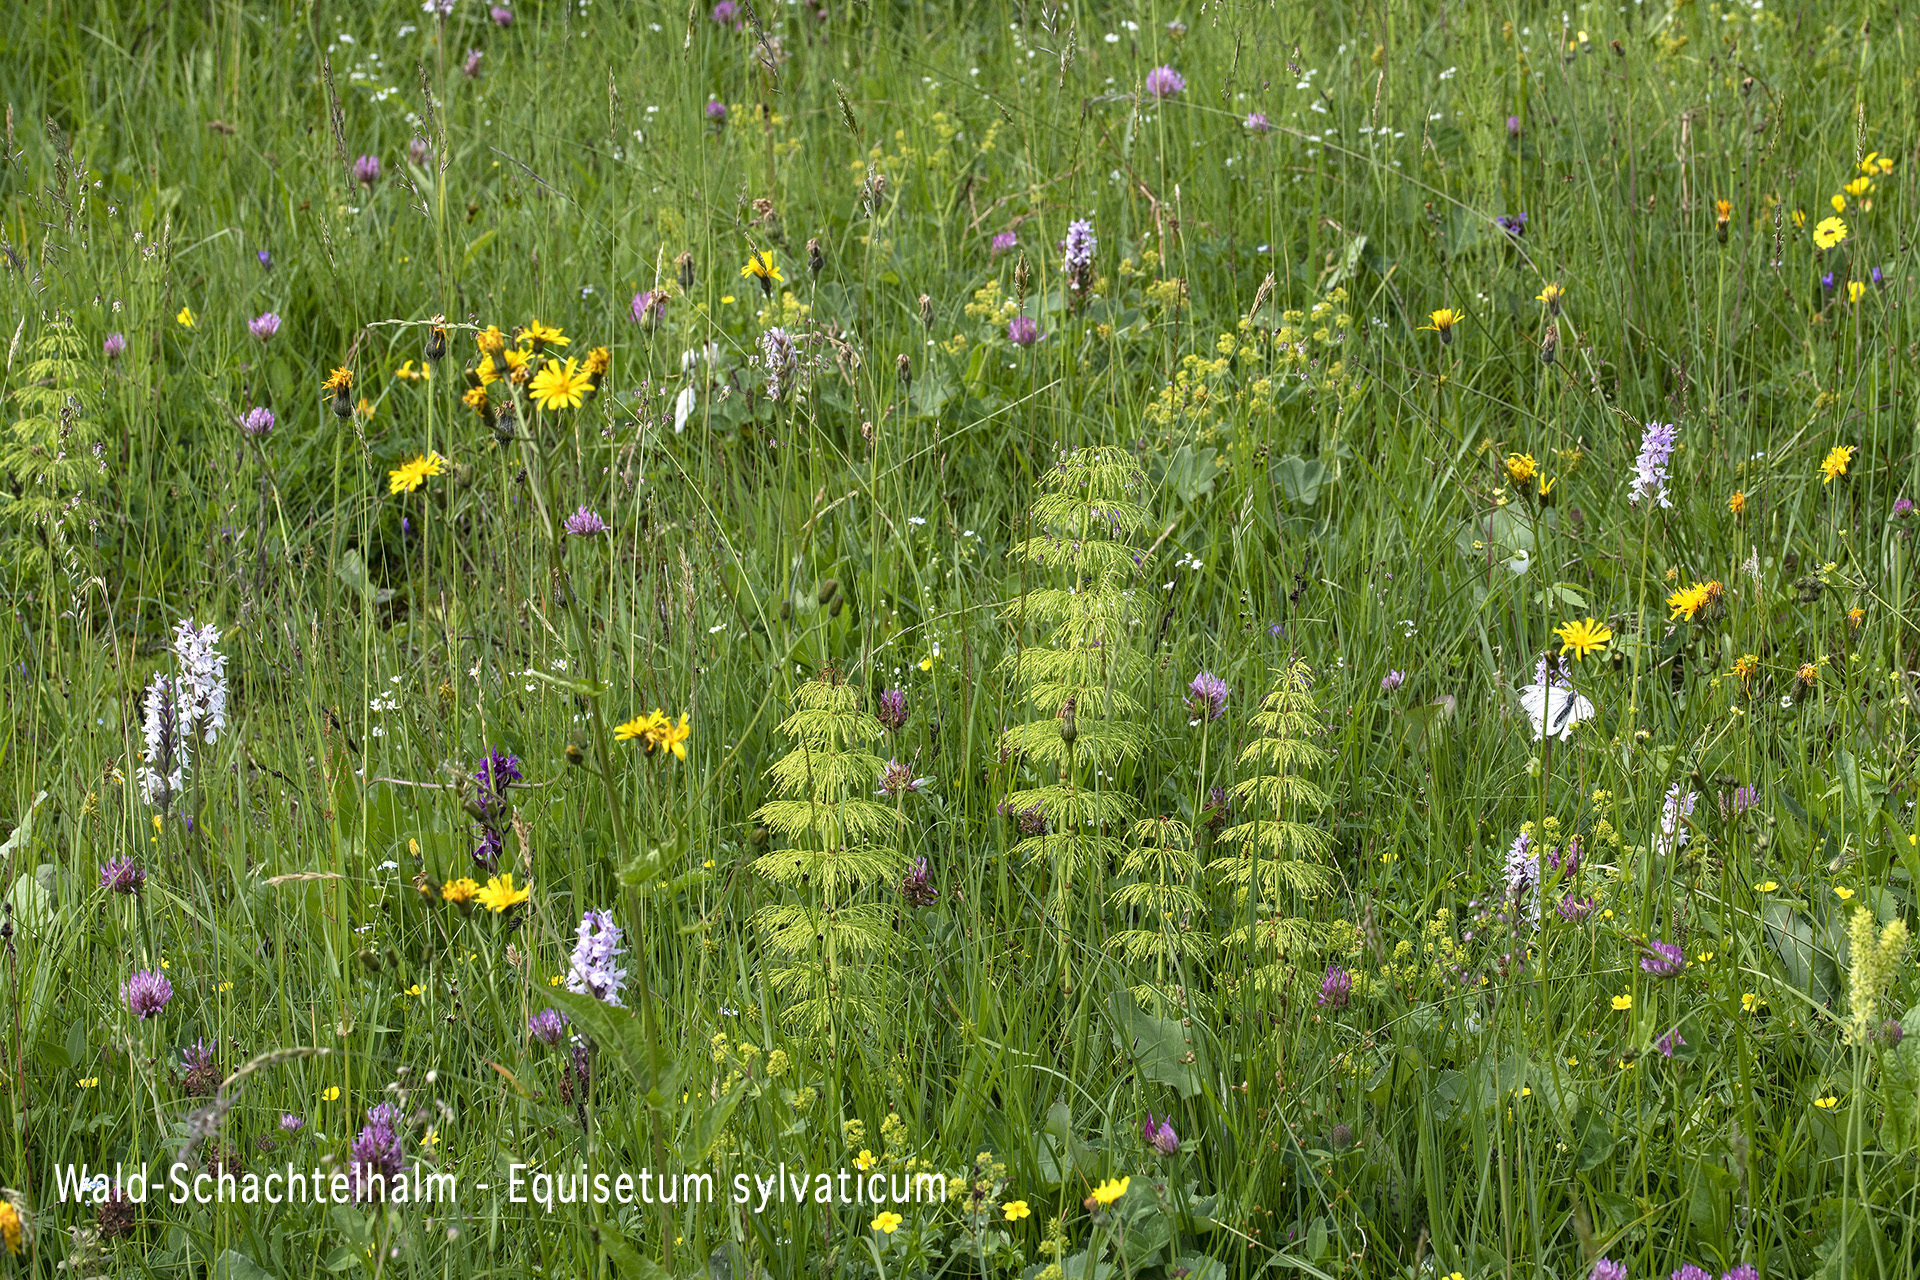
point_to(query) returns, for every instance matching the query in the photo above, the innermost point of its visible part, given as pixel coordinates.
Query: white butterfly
(1554, 710)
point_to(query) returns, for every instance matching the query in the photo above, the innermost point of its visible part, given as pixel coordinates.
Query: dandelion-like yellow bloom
(1014, 1210)
(560, 386)
(887, 1223)
(598, 361)
(514, 360)
(461, 890)
(407, 372)
(1689, 601)
(1722, 210)
(1856, 616)
(1110, 1190)
(475, 399)
(1552, 295)
(1829, 233)
(1521, 469)
(1835, 464)
(490, 340)
(1442, 322)
(1859, 187)
(1738, 502)
(186, 318)
(1807, 674)
(673, 737)
(409, 476)
(646, 726)
(500, 893)
(760, 266)
(12, 1229)
(1745, 665)
(539, 335)
(1583, 637)
(338, 382)
(1623, 1001)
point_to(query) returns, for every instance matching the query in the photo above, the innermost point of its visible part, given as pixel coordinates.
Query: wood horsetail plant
(1082, 677)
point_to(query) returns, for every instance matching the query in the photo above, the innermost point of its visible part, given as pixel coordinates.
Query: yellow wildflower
(887, 1223)
(1110, 1190)
(461, 890)
(1829, 233)
(537, 336)
(186, 318)
(560, 387)
(1827, 1103)
(500, 893)
(1014, 1210)
(409, 476)
(1623, 1001)
(1521, 469)
(760, 266)
(1738, 502)
(12, 1229)
(1442, 322)
(1583, 637)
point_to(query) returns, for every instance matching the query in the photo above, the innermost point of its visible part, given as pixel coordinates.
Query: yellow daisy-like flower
(1859, 187)
(186, 319)
(500, 893)
(560, 386)
(1827, 1103)
(12, 1229)
(598, 361)
(475, 399)
(1745, 665)
(1808, 673)
(507, 362)
(1829, 233)
(330, 1094)
(1767, 886)
(1110, 1190)
(413, 990)
(409, 476)
(760, 266)
(1690, 600)
(647, 726)
(1583, 637)
(461, 890)
(1014, 1210)
(1442, 322)
(407, 372)
(1835, 464)
(1856, 616)
(490, 340)
(539, 335)
(1521, 469)
(673, 737)
(1552, 295)
(1738, 502)
(1722, 210)
(887, 1223)
(1623, 1001)
(338, 382)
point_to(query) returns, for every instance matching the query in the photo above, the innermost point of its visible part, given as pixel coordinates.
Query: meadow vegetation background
(1280, 637)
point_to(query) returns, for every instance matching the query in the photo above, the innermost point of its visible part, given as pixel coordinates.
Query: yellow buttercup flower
(1583, 637)
(1014, 1210)
(1751, 1002)
(560, 386)
(865, 1160)
(186, 318)
(1767, 886)
(887, 1223)
(1835, 464)
(409, 476)
(1843, 893)
(1109, 1191)
(1829, 233)
(461, 890)
(1827, 1103)
(330, 1094)
(1623, 1001)
(500, 893)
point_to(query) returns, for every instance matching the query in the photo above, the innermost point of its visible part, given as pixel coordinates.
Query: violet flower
(1159, 1135)
(1208, 691)
(257, 421)
(1650, 468)
(1664, 959)
(146, 993)
(594, 970)
(1023, 331)
(1165, 82)
(123, 875)
(1336, 988)
(585, 524)
(264, 325)
(366, 170)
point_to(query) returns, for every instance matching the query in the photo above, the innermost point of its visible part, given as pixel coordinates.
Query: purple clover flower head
(1650, 467)
(1336, 988)
(1257, 122)
(585, 524)
(893, 710)
(123, 875)
(1159, 1135)
(916, 888)
(1514, 224)
(1745, 1271)
(147, 993)
(1606, 1269)
(1392, 680)
(1513, 126)
(1005, 242)
(1208, 691)
(726, 13)
(1165, 82)
(1667, 1043)
(366, 170)
(649, 307)
(1664, 959)
(1691, 1272)
(716, 111)
(376, 1152)
(197, 1056)
(1573, 910)
(291, 1123)
(471, 67)
(264, 325)
(1023, 331)
(115, 344)
(1079, 246)
(1903, 508)
(549, 1026)
(501, 15)
(1826, 282)
(595, 969)
(257, 421)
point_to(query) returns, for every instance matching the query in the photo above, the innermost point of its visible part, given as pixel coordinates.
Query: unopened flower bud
(685, 264)
(904, 367)
(816, 257)
(926, 312)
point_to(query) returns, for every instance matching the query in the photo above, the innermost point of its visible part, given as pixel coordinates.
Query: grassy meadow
(1255, 639)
